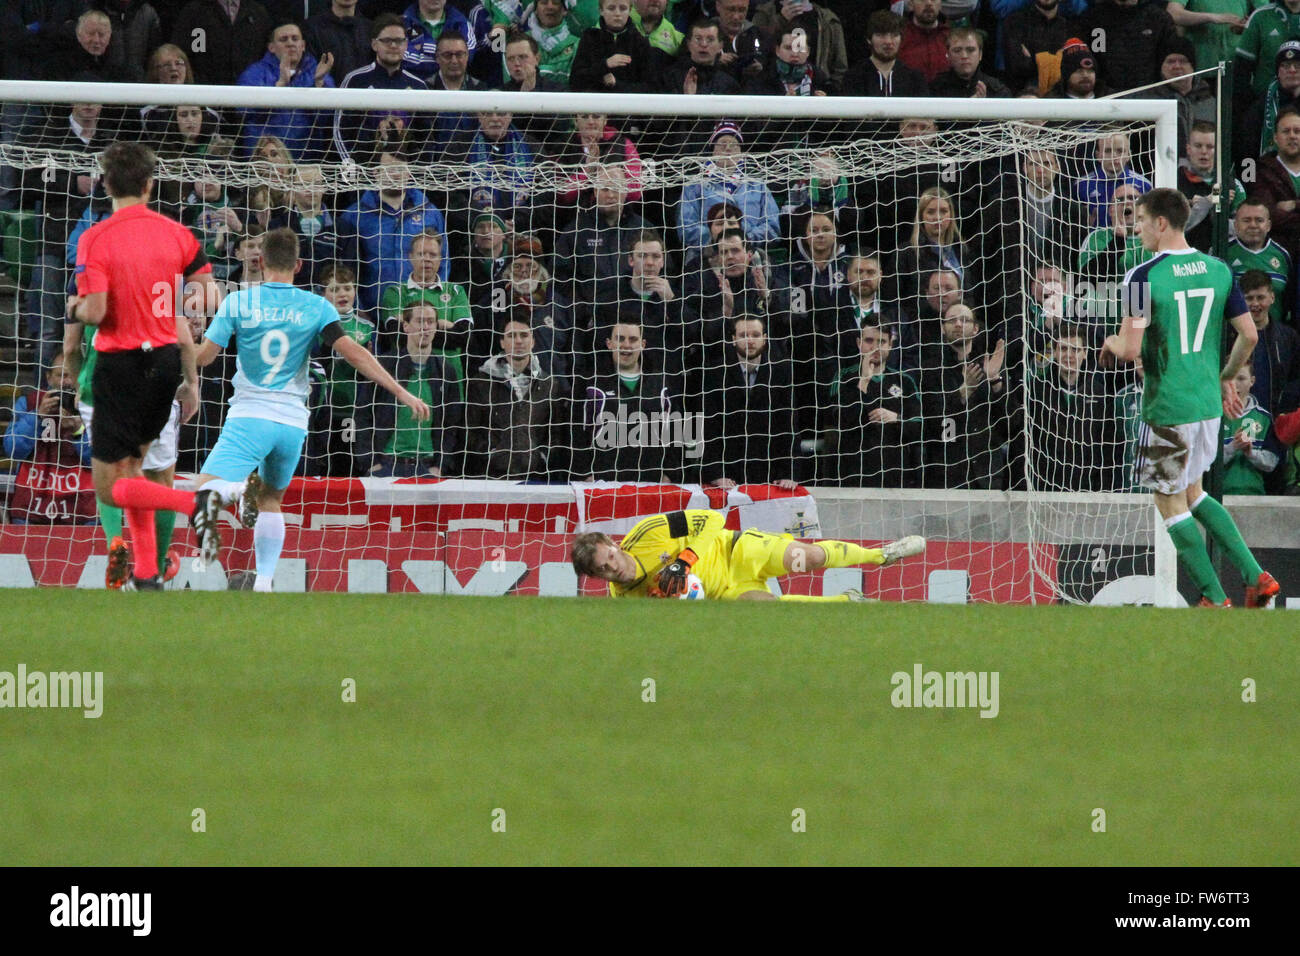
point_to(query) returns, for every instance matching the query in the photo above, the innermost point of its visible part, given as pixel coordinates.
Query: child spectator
(613, 57)
(1250, 449)
(248, 253)
(821, 28)
(348, 397)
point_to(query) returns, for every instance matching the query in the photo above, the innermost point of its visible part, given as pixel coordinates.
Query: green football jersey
(412, 439)
(665, 37)
(87, 365)
(1266, 30)
(1186, 298)
(1272, 260)
(449, 299)
(1242, 474)
(1128, 411)
(1216, 41)
(343, 378)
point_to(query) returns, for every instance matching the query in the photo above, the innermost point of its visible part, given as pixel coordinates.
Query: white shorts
(163, 451)
(1171, 458)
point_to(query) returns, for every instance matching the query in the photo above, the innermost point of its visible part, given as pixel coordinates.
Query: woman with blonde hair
(274, 164)
(936, 243)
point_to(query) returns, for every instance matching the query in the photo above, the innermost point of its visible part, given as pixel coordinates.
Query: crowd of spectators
(888, 330)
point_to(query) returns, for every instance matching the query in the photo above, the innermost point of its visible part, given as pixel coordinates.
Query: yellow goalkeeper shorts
(755, 557)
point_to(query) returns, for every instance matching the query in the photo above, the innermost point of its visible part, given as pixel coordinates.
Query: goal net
(841, 318)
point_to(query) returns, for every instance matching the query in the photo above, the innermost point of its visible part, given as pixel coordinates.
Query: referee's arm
(72, 357)
(88, 309)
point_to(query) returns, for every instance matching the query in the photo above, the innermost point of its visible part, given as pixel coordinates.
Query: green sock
(844, 554)
(1219, 523)
(1191, 551)
(164, 521)
(110, 519)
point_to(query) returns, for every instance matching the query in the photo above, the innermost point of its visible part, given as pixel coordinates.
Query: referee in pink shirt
(132, 270)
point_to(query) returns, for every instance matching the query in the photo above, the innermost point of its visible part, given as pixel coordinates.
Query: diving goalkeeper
(655, 558)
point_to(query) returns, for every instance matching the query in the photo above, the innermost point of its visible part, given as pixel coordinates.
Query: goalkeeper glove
(672, 579)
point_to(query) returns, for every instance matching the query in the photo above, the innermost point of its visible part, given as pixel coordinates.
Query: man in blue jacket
(287, 63)
(376, 231)
(360, 135)
(426, 20)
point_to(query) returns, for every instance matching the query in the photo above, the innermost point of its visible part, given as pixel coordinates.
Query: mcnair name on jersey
(1190, 269)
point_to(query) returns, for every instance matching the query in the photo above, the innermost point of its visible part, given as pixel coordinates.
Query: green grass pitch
(464, 706)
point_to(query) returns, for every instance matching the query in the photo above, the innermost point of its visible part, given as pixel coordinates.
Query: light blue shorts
(248, 443)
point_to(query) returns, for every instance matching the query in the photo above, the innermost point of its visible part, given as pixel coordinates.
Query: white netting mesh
(855, 239)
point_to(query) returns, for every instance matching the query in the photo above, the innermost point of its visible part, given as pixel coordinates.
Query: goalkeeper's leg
(762, 594)
(811, 555)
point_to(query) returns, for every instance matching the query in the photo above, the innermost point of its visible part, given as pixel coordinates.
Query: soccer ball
(694, 589)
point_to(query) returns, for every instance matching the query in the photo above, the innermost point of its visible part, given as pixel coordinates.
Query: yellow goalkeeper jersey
(656, 541)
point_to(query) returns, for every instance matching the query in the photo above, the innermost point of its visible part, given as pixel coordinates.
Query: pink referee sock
(139, 498)
(144, 541)
(143, 493)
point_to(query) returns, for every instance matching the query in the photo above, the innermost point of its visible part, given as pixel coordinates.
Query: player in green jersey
(1175, 306)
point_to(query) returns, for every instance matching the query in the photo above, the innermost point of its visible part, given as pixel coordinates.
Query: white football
(694, 589)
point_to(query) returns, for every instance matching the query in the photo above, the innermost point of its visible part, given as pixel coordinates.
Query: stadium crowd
(885, 331)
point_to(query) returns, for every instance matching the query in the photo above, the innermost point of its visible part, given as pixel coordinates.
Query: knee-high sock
(144, 544)
(844, 554)
(110, 519)
(229, 491)
(143, 493)
(814, 597)
(165, 522)
(1191, 551)
(1219, 523)
(268, 541)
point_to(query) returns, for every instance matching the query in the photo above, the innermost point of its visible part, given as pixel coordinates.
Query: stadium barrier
(500, 537)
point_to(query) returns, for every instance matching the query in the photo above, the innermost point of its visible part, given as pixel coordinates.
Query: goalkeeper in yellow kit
(655, 558)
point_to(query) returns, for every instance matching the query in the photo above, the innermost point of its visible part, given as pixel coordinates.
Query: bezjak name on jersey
(1190, 269)
(279, 314)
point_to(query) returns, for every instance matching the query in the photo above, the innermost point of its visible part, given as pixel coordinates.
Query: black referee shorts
(133, 394)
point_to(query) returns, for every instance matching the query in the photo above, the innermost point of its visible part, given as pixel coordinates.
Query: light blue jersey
(275, 327)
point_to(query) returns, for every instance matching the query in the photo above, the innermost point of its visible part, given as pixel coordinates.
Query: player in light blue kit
(275, 327)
